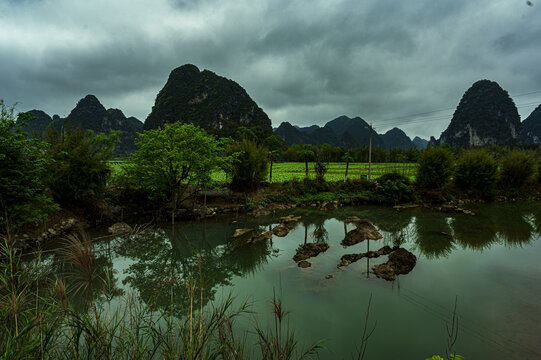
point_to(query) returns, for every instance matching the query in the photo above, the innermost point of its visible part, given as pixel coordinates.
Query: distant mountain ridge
(342, 131)
(397, 139)
(486, 115)
(90, 114)
(214, 103)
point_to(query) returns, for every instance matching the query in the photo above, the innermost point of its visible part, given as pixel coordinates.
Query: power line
(439, 117)
(451, 108)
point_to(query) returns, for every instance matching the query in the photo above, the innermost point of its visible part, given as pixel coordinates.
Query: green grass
(285, 171)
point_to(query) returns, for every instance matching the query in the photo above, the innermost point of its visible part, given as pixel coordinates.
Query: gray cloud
(305, 62)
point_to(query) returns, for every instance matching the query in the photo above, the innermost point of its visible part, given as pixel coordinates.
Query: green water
(489, 262)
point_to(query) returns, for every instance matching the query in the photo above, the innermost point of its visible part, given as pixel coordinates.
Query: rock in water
(119, 229)
(401, 261)
(365, 230)
(210, 101)
(309, 250)
(486, 115)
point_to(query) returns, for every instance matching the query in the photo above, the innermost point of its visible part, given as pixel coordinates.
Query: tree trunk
(270, 173)
(347, 168)
(306, 164)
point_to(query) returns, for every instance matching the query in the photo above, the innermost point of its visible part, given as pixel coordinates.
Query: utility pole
(370, 154)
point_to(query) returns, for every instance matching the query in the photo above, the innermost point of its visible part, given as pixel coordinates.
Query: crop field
(285, 171)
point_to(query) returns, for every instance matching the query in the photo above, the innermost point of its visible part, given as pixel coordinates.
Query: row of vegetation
(70, 168)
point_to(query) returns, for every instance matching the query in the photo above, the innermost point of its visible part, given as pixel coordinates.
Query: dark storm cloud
(304, 62)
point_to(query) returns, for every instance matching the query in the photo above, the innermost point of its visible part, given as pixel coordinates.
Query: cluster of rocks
(446, 208)
(57, 230)
(244, 237)
(262, 210)
(307, 251)
(365, 230)
(400, 260)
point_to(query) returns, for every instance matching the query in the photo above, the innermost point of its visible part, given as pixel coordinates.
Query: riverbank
(121, 206)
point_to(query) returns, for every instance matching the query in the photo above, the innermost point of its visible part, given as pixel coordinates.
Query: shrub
(23, 195)
(78, 169)
(476, 171)
(250, 166)
(435, 168)
(516, 167)
(393, 188)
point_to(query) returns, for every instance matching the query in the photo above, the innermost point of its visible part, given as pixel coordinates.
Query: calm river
(489, 262)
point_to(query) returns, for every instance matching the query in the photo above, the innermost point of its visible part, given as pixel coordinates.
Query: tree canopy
(169, 161)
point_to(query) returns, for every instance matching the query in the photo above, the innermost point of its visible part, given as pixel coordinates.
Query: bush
(516, 168)
(303, 187)
(78, 170)
(435, 168)
(23, 195)
(250, 166)
(393, 188)
(476, 171)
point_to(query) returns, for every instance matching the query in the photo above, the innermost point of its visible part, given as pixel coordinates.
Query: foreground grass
(41, 318)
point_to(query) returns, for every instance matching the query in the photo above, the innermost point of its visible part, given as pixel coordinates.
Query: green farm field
(284, 171)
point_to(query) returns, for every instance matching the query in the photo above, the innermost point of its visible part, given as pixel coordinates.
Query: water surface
(489, 263)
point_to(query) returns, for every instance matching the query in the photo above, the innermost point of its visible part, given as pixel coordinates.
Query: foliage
(477, 171)
(250, 165)
(23, 195)
(516, 168)
(393, 188)
(173, 161)
(274, 142)
(244, 133)
(451, 357)
(320, 165)
(435, 168)
(78, 170)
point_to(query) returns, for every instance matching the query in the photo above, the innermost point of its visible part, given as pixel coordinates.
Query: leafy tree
(276, 147)
(244, 133)
(78, 170)
(347, 158)
(250, 165)
(477, 171)
(175, 161)
(23, 195)
(516, 168)
(306, 153)
(320, 165)
(435, 168)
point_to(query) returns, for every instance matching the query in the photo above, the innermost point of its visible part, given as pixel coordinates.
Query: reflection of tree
(165, 265)
(394, 222)
(511, 224)
(320, 234)
(433, 236)
(474, 232)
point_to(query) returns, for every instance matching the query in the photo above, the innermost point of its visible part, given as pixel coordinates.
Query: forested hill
(531, 127)
(343, 131)
(89, 114)
(216, 104)
(486, 115)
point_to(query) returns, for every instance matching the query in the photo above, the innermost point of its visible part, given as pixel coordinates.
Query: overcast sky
(305, 62)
